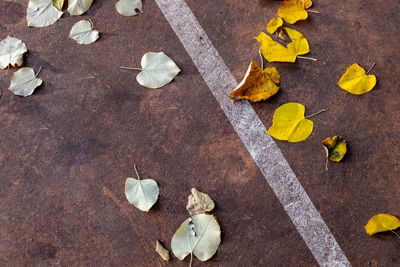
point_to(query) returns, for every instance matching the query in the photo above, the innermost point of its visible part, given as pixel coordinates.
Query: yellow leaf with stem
(292, 11)
(356, 81)
(290, 124)
(274, 24)
(258, 84)
(382, 223)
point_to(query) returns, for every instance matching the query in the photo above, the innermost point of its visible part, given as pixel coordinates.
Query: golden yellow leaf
(299, 44)
(292, 11)
(337, 147)
(257, 84)
(274, 24)
(356, 81)
(290, 124)
(382, 223)
(274, 51)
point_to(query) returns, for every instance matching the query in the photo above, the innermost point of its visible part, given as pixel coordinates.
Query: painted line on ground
(251, 131)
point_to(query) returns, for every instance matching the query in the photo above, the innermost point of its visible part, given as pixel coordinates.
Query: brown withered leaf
(199, 202)
(335, 148)
(258, 84)
(163, 252)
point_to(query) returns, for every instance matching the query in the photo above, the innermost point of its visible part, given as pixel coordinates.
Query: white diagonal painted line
(251, 131)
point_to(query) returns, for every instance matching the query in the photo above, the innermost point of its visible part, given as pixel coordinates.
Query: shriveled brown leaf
(163, 252)
(199, 202)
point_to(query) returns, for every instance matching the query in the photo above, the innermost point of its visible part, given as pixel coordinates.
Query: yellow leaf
(274, 24)
(292, 11)
(257, 84)
(299, 44)
(337, 147)
(356, 81)
(274, 51)
(382, 223)
(58, 4)
(307, 3)
(290, 124)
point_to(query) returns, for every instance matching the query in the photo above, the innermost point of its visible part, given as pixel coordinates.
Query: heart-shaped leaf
(128, 7)
(292, 11)
(199, 235)
(257, 84)
(356, 81)
(12, 52)
(42, 13)
(24, 82)
(143, 194)
(290, 124)
(382, 223)
(78, 7)
(82, 32)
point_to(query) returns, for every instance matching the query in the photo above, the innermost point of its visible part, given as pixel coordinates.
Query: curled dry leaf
(356, 81)
(307, 3)
(82, 32)
(143, 194)
(199, 202)
(290, 124)
(257, 84)
(274, 24)
(24, 82)
(199, 235)
(292, 11)
(42, 13)
(58, 4)
(336, 146)
(12, 52)
(275, 52)
(157, 70)
(78, 7)
(382, 223)
(128, 7)
(163, 252)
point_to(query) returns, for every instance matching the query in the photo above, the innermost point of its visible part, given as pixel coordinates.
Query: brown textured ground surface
(66, 151)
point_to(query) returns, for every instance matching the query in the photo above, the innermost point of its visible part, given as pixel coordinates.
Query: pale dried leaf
(12, 52)
(141, 193)
(78, 7)
(200, 235)
(128, 7)
(199, 202)
(82, 32)
(24, 82)
(163, 252)
(42, 13)
(58, 4)
(157, 70)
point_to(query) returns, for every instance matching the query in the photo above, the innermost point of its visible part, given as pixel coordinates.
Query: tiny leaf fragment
(58, 4)
(128, 8)
(78, 7)
(257, 84)
(82, 32)
(12, 52)
(24, 82)
(42, 13)
(199, 235)
(199, 203)
(163, 252)
(382, 223)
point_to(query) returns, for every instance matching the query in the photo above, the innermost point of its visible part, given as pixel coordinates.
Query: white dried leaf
(82, 32)
(200, 235)
(24, 82)
(12, 52)
(58, 4)
(141, 193)
(128, 7)
(78, 7)
(163, 252)
(157, 70)
(199, 202)
(42, 13)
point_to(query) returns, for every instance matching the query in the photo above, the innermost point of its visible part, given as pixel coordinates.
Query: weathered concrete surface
(66, 151)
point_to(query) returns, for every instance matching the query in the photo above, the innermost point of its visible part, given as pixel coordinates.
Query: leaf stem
(395, 233)
(40, 69)
(191, 259)
(129, 68)
(326, 164)
(373, 65)
(309, 58)
(91, 22)
(262, 61)
(137, 173)
(313, 11)
(312, 115)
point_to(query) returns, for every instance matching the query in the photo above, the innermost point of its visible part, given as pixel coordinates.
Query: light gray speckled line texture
(251, 131)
